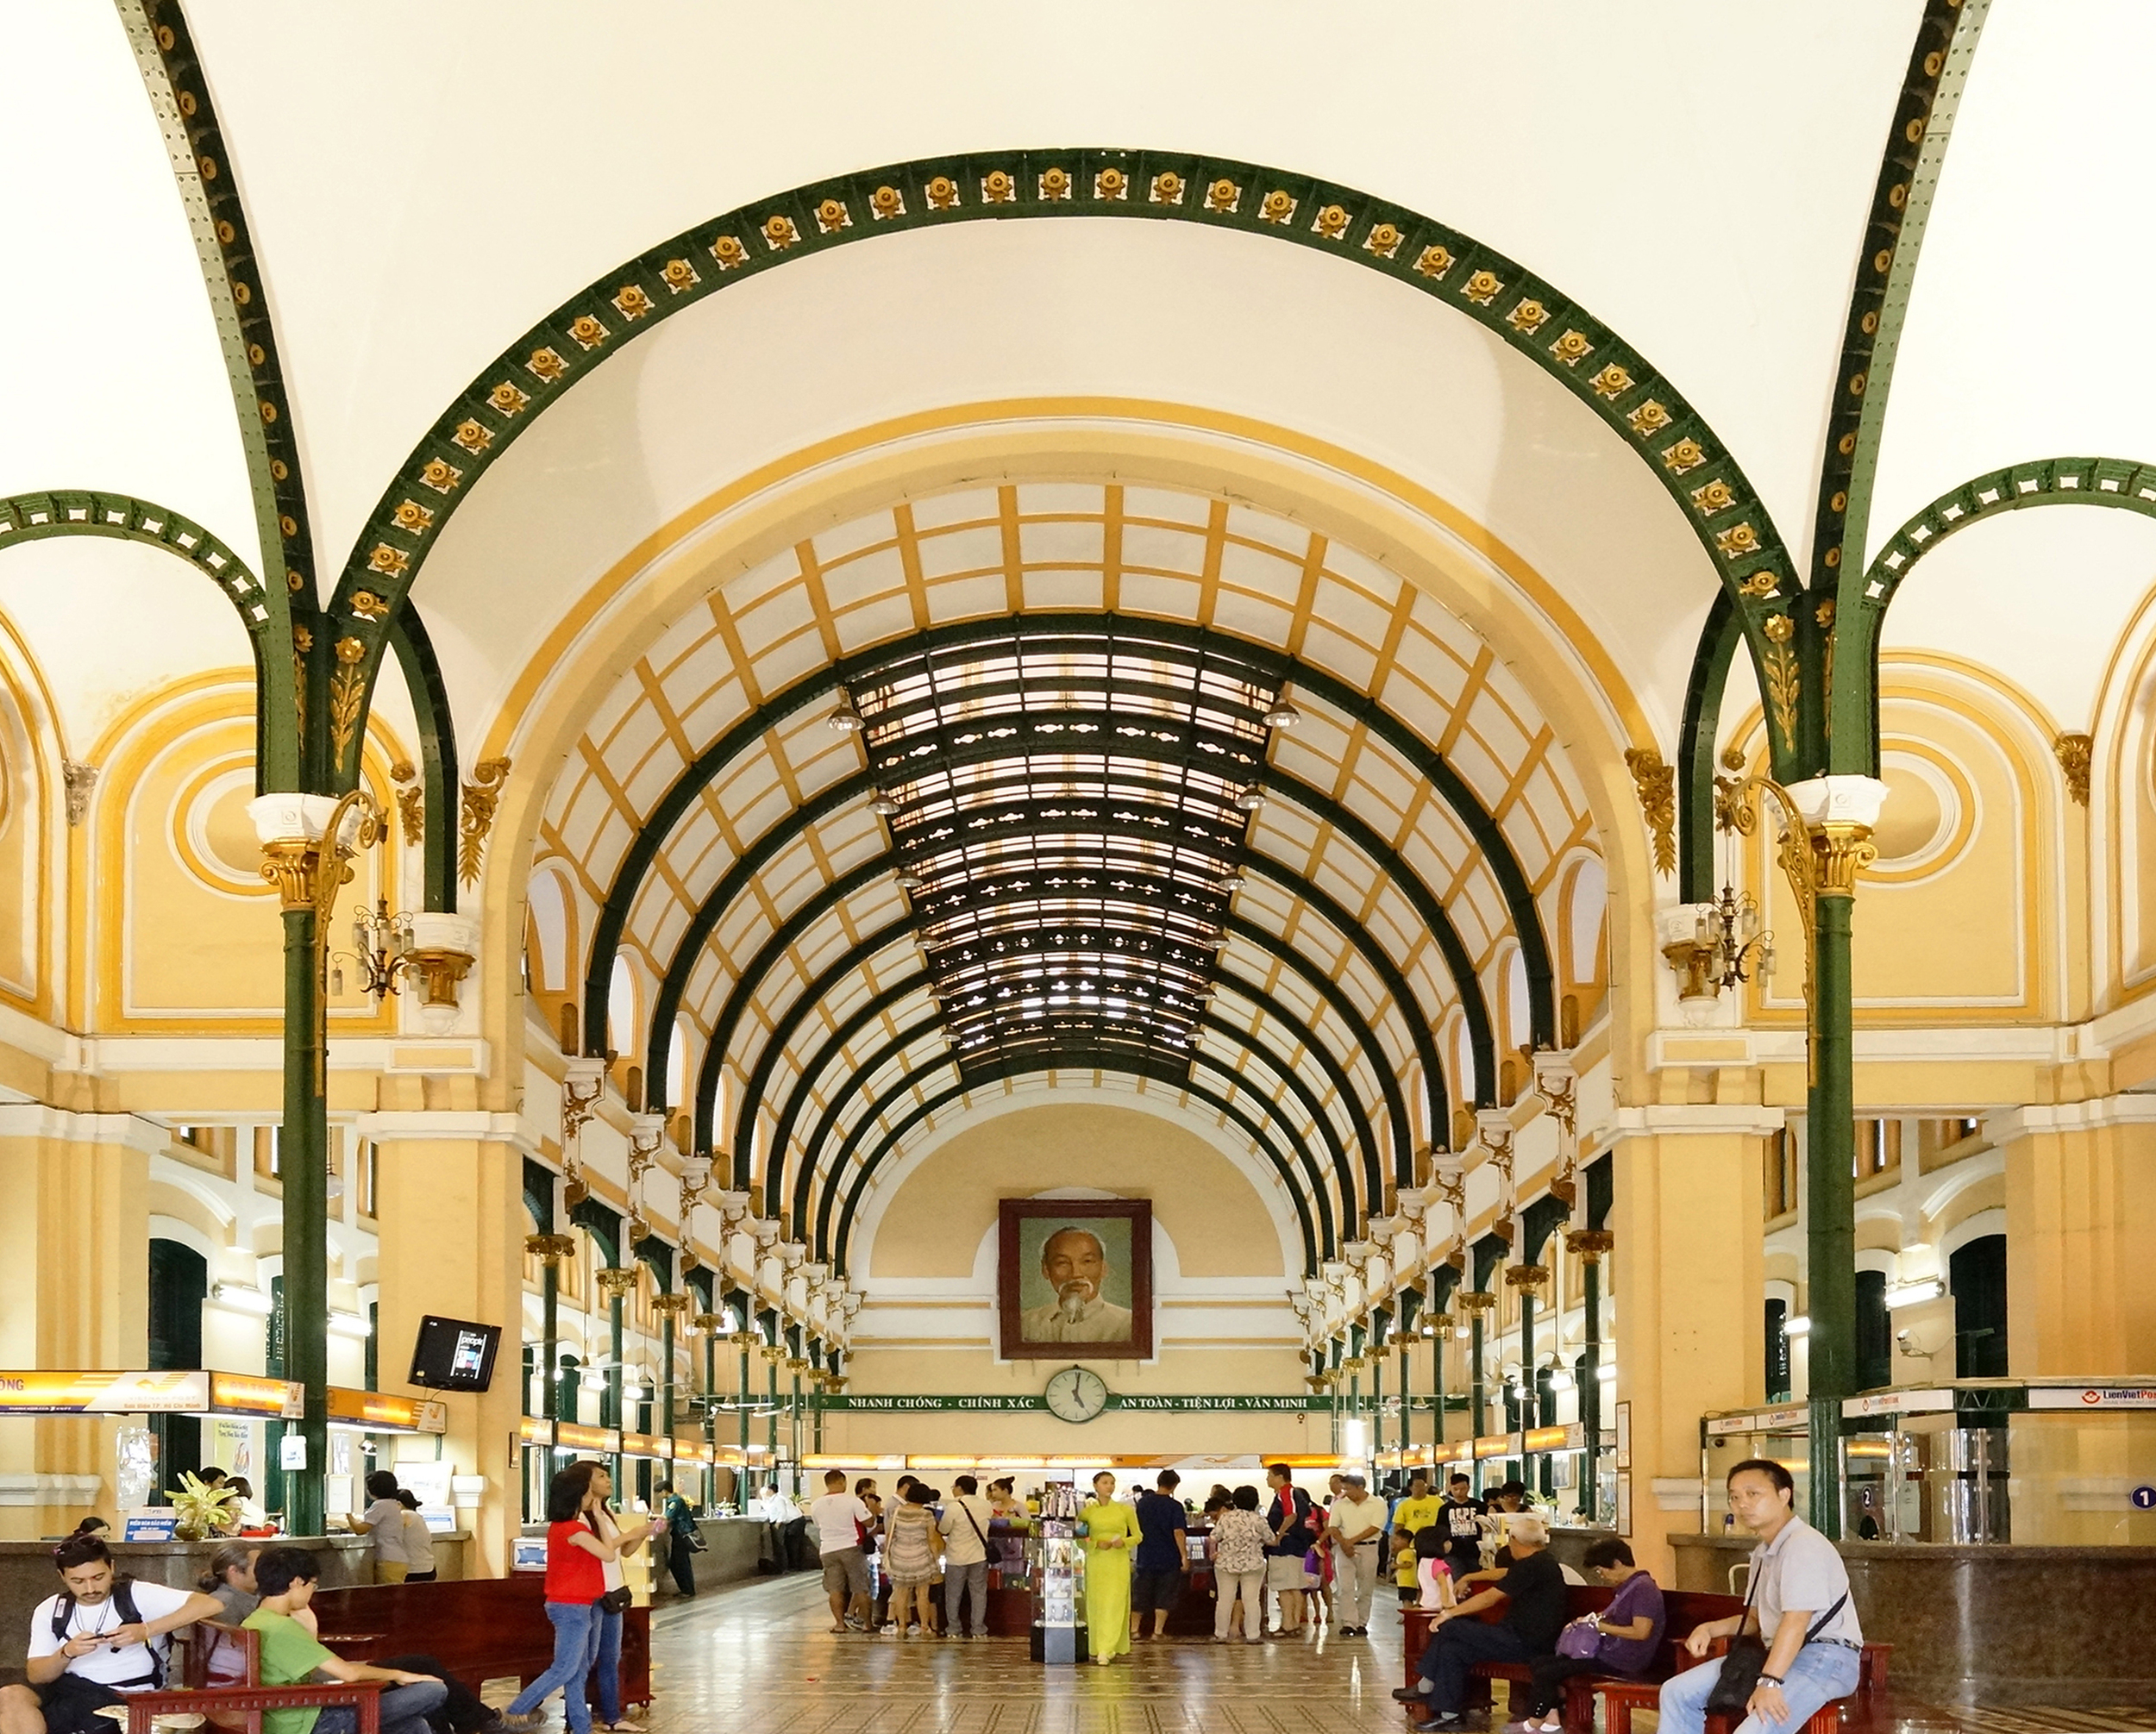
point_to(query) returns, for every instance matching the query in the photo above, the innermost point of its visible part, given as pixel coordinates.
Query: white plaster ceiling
(114, 379)
(1054, 314)
(424, 182)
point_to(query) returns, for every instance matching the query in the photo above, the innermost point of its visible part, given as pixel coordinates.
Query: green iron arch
(1320, 902)
(1528, 315)
(27, 519)
(1335, 1074)
(33, 517)
(667, 1002)
(293, 688)
(644, 849)
(2117, 482)
(874, 946)
(834, 1245)
(1325, 989)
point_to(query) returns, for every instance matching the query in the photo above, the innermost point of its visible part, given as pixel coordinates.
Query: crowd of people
(102, 1635)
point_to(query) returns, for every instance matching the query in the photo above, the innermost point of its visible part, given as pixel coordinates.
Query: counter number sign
(2143, 1498)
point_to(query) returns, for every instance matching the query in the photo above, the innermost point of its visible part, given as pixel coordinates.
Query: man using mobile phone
(100, 1638)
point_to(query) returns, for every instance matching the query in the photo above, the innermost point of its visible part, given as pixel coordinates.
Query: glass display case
(1056, 1564)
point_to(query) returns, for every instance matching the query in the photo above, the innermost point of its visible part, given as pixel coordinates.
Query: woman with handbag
(583, 1542)
(1796, 1646)
(1621, 1639)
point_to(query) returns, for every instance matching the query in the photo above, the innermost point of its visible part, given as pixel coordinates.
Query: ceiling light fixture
(1251, 799)
(1232, 880)
(909, 880)
(882, 805)
(1282, 714)
(1914, 1294)
(845, 718)
(1801, 1326)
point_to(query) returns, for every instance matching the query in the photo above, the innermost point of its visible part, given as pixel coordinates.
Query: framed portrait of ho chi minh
(1075, 1278)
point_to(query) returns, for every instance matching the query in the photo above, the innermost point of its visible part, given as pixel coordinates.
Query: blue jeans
(1821, 1673)
(577, 1627)
(404, 1710)
(609, 1665)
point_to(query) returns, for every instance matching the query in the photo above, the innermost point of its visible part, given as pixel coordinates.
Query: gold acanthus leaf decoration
(1657, 784)
(2076, 753)
(347, 697)
(476, 815)
(1784, 680)
(411, 802)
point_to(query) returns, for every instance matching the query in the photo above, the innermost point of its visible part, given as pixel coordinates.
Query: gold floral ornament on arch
(411, 802)
(998, 187)
(885, 203)
(347, 694)
(476, 815)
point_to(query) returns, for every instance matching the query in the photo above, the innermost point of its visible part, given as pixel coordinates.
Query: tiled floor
(758, 1658)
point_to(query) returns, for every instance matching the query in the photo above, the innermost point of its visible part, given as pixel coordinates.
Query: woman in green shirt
(1110, 1531)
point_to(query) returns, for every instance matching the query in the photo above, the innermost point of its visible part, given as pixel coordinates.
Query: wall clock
(1075, 1395)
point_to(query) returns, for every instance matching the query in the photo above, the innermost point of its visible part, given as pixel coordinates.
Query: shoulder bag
(1747, 1657)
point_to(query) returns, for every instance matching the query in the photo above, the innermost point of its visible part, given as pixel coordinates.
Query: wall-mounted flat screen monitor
(454, 1354)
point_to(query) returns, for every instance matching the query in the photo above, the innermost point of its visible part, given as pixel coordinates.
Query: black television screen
(454, 1354)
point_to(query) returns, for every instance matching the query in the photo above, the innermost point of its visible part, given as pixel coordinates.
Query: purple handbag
(1579, 1639)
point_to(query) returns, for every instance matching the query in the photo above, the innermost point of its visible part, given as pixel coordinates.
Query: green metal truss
(291, 683)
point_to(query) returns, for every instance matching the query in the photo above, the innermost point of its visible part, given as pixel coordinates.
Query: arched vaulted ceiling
(1131, 781)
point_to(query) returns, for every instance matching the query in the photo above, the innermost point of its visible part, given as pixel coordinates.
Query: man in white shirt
(100, 1638)
(964, 1525)
(841, 1518)
(1799, 1605)
(1355, 1531)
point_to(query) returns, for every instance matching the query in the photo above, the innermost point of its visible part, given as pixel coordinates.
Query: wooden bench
(230, 1692)
(1620, 1694)
(479, 1629)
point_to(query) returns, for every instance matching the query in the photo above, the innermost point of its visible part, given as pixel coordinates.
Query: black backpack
(123, 1604)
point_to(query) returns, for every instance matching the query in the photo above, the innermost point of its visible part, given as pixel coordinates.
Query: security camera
(1901, 1336)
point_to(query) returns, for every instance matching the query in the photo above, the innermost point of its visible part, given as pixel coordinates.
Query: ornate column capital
(671, 1305)
(1590, 1243)
(617, 1280)
(550, 1248)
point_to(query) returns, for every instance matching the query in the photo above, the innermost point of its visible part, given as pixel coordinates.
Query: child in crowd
(1404, 1563)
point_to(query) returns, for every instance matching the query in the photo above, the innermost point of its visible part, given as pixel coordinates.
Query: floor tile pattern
(759, 1657)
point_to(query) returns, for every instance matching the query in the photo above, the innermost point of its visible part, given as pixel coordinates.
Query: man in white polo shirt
(841, 1518)
(1800, 1605)
(1355, 1531)
(100, 1638)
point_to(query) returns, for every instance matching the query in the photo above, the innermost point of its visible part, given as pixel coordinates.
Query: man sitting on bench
(100, 1638)
(1535, 1586)
(291, 1656)
(1799, 1603)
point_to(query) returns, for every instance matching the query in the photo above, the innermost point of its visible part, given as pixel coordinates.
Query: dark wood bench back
(479, 1629)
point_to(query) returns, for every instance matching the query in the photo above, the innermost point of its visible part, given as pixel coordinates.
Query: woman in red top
(576, 1579)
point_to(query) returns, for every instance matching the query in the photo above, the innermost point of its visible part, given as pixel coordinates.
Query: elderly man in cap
(1355, 1531)
(1534, 1587)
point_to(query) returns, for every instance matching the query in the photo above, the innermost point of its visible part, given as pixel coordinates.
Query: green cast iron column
(303, 1170)
(741, 1400)
(612, 1414)
(1437, 1387)
(1591, 1391)
(1830, 1202)
(1478, 1393)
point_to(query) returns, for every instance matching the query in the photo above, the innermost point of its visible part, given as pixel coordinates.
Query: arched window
(622, 1012)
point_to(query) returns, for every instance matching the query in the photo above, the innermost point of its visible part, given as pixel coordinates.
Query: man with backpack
(101, 1637)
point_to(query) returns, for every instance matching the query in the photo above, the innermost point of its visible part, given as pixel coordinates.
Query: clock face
(1074, 1395)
